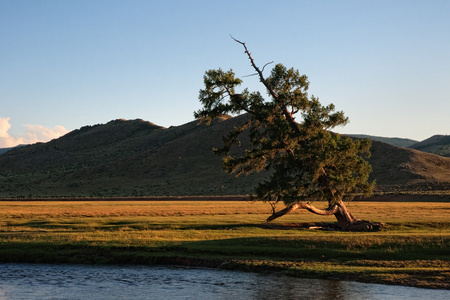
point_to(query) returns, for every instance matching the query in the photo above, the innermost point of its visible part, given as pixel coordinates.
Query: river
(42, 281)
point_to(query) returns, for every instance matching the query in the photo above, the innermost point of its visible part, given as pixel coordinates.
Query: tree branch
(331, 210)
(266, 66)
(254, 74)
(286, 113)
(324, 212)
(260, 74)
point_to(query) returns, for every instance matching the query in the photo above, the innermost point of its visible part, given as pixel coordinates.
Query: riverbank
(413, 249)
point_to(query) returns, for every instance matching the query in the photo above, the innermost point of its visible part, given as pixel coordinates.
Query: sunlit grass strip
(379, 211)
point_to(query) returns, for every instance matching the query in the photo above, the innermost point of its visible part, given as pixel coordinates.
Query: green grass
(412, 250)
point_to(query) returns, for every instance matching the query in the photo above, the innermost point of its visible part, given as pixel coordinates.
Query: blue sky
(67, 64)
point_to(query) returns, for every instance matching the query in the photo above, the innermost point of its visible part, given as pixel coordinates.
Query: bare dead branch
(254, 74)
(266, 65)
(286, 113)
(258, 71)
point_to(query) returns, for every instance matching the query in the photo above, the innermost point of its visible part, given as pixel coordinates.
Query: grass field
(413, 249)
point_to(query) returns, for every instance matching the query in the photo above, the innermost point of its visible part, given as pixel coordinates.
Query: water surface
(38, 281)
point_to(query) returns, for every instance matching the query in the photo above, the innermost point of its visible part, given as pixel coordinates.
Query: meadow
(412, 249)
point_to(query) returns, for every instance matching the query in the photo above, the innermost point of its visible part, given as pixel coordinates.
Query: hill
(396, 168)
(4, 150)
(138, 158)
(398, 142)
(122, 158)
(437, 144)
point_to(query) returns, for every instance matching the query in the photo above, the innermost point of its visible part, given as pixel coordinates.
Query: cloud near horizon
(33, 134)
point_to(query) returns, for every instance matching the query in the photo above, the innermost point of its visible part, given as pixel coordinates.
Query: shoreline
(92, 255)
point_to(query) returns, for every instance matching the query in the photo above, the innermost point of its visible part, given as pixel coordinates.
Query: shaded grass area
(412, 250)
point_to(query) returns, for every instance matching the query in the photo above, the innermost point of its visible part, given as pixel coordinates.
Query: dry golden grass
(375, 211)
(127, 208)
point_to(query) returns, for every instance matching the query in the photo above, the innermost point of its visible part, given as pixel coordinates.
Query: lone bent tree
(305, 161)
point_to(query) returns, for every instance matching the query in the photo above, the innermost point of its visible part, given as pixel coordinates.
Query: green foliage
(289, 136)
(444, 151)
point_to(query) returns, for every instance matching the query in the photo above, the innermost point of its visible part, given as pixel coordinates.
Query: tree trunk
(346, 220)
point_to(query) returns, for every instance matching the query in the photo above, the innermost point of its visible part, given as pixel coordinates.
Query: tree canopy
(290, 137)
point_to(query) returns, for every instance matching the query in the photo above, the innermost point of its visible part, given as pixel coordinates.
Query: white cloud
(33, 134)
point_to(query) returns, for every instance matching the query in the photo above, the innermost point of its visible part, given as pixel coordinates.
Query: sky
(67, 64)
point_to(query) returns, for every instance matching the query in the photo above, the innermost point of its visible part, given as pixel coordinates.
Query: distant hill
(396, 168)
(437, 144)
(4, 150)
(398, 142)
(138, 158)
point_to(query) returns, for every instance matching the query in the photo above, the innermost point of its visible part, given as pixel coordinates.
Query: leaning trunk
(349, 223)
(345, 219)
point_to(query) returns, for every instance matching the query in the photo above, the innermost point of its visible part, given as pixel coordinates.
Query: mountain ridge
(138, 158)
(437, 144)
(395, 141)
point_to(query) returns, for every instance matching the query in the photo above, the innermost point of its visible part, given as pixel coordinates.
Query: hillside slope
(396, 168)
(138, 158)
(437, 144)
(4, 150)
(398, 142)
(123, 158)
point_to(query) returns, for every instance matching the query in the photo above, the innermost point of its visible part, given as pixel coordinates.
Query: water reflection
(34, 281)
